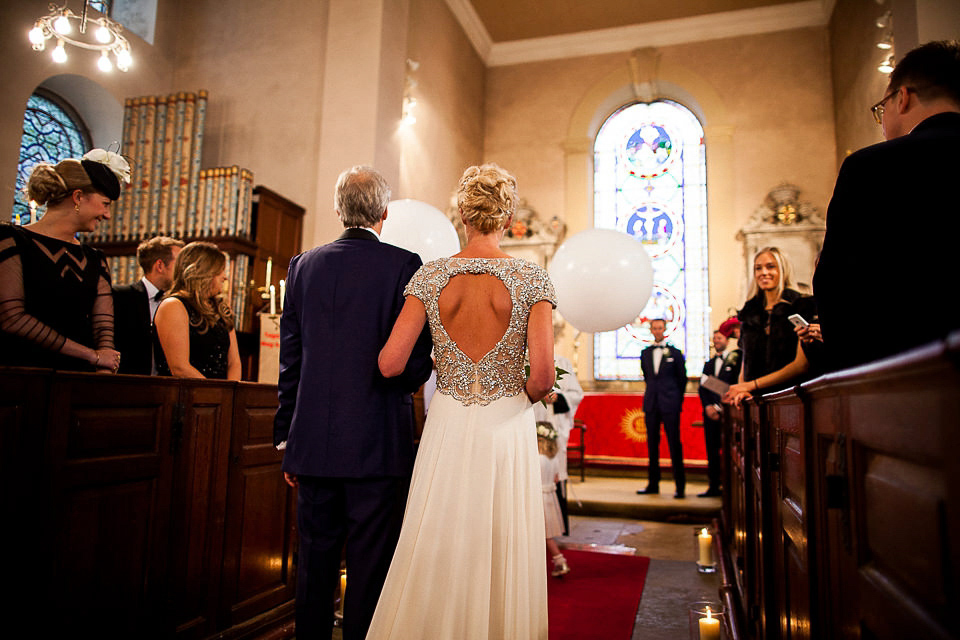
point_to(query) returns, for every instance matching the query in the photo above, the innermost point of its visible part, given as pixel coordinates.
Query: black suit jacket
(729, 373)
(665, 388)
(339, 416)
(131, 325)
(887, 265)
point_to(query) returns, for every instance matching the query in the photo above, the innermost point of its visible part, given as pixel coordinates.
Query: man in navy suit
(134, 305)
(348, 431)
(725, 366)
(665, 373)
(894, 219)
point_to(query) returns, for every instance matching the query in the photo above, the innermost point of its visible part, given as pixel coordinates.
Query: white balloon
(603, 279)
(421, 228)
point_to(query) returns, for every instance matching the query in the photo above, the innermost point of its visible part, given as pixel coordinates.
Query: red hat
(728, 326)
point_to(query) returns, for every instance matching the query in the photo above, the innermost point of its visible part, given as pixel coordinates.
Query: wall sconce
(408, 117)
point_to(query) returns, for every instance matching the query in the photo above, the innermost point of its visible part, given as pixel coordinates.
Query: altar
(616, 434)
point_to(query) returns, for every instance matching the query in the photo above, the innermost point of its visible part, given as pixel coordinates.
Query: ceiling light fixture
(106, 38)
(887, 65)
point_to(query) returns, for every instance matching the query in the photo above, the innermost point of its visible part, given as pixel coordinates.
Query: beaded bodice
(500, 372)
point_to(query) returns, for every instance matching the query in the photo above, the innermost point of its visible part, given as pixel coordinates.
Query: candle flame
(708, 613)
(703, 533)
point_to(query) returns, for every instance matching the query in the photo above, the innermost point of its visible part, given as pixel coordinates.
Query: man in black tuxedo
(725, 366)
(665, 373)
(347, 430)
(134, 305)
(892, 224)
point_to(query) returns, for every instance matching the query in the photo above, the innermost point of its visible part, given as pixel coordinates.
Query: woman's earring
(76, 207)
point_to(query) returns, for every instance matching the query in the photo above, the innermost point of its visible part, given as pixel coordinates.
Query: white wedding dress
(471, 560)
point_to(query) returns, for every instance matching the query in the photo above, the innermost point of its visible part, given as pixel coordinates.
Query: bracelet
(98, 358)
(756, 384)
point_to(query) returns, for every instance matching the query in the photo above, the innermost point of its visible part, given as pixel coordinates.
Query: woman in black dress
(56, 309)
(193, 327)
(768, 339)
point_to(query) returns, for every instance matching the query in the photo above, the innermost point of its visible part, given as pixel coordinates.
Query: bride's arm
(540, 347)
(394, 355)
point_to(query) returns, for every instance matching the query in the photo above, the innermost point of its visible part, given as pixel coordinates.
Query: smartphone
(798, 320)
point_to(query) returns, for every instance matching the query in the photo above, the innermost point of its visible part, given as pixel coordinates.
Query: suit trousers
(364, 513)
(671, 426)
(711, 437)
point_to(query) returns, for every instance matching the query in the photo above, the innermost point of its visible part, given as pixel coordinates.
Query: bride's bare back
(475, 311)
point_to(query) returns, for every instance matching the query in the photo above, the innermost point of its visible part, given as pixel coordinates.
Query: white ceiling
(515, 31)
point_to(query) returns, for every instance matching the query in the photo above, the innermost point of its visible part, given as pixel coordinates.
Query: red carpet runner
(598, 598)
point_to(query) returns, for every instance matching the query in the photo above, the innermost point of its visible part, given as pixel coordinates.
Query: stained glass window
(103, 6)
(51, 132)
(650, 182)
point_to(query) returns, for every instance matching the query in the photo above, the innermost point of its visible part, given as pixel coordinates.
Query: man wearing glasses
(892, 224)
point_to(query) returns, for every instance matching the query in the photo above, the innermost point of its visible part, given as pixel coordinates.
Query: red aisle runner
(616, 433)
(598, 598)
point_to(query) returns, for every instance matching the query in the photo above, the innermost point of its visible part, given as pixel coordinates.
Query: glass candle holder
(338, 611)
(703, 550)
(707, 621)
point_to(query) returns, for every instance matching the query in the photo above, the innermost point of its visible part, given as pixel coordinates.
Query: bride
(470, 562)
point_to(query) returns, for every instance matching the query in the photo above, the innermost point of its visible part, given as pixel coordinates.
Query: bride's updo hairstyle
(487, 197)
(50, 185)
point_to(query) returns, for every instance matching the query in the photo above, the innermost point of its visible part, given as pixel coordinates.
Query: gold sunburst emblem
(633, 426)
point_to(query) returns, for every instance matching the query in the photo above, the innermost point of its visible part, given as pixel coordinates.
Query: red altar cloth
(616, 433)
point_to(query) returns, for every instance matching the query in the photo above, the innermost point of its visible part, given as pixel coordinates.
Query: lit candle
(705, 544)
(273, 300)
(343, 588)
(283, 293)
(709, 627)
(269, 270)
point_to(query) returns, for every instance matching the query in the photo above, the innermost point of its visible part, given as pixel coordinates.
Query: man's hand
(290, 478)
(712, 412)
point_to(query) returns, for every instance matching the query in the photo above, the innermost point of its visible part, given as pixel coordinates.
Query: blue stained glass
(50, 134)
(650, 182)
(103, 6)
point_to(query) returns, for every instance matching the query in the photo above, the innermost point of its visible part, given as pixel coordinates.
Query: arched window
(52, 131)
(650, 182)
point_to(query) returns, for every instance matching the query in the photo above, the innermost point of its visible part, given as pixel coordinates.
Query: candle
(283, 293)
(709, 627)
(705, 546)
(273, 300)
(343, 588)
(269, 270)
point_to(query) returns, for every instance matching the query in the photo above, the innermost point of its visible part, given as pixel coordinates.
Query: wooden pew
(143, 507)
(842, 504)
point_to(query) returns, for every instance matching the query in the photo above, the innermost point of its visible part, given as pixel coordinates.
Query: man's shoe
(710, 493)
(679, 495)
(648, 491)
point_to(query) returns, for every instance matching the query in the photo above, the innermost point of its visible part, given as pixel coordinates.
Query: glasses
(877, 109)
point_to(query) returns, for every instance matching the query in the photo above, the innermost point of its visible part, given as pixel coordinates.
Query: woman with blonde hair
(195, 336)
(470, 562)
(56, 309)
(767, 336)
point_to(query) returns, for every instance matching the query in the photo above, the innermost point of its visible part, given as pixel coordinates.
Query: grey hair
(361, 196)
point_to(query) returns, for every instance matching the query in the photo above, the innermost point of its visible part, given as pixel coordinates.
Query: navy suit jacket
(665, 388)
(339, 416)
(133, 337)
(729, 373)
(889, 251)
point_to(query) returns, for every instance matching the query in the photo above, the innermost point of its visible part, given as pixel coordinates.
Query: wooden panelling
(864, 509)
(119, 520)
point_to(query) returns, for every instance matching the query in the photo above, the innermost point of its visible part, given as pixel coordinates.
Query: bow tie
(157, 296)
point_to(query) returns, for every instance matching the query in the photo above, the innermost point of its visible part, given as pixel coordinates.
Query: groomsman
(134, 305)
(347, 431)
(665, 374)
(725, 366)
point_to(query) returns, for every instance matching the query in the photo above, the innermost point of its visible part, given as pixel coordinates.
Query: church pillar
(360, 103)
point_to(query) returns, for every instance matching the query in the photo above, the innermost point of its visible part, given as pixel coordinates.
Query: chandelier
(69, 28)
